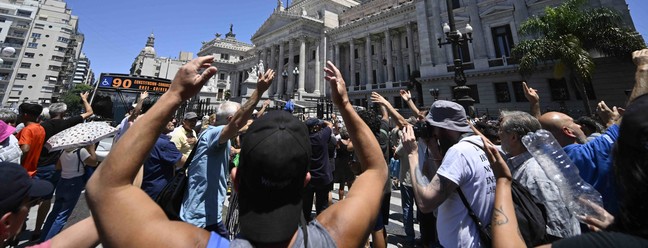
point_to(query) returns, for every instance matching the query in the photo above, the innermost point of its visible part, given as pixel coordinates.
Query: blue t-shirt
(594, 162)
(207, 173)
(159, 167)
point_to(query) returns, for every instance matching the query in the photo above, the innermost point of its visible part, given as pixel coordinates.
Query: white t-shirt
(467, 166)
(70, 164)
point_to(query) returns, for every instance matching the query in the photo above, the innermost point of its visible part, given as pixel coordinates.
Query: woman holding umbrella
(72, 164)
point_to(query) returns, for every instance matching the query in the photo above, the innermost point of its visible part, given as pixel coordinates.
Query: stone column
(388, 56)
(479, 41)
(399, 57)
(337, 54)
(291, 66)
(318, 70)
(272, 65)
(352, 71)
(280, 69)
(368, 59)
(410, 48)
(302, 65)
(380, 74)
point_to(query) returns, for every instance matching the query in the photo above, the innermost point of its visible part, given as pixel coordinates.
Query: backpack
(530, 213)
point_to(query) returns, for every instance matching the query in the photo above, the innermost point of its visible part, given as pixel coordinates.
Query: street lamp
(296, 74)
(284, 74)
(455, 38)
(435, 93)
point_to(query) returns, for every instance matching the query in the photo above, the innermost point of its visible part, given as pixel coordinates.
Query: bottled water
(580, 197)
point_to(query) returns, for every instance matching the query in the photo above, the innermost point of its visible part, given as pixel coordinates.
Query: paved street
(395, 231)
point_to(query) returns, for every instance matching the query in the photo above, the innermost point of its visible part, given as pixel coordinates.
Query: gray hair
(225, 110)
(57, 108)
(8, 115)
(518, 122)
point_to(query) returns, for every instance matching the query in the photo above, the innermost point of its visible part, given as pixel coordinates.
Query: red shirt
(34, 136)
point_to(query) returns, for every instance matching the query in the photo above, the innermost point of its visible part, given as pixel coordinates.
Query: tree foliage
(568, 33)
(72, 99)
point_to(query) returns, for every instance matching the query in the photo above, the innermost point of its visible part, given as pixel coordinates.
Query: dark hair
(631, 176)
(590, 123)
(147, 104)
(371, 119)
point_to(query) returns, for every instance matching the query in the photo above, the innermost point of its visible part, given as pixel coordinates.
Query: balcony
(16, 35)
(6, 67)
(20, 27)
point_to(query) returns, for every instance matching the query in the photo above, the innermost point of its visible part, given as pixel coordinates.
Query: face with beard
(444, 138)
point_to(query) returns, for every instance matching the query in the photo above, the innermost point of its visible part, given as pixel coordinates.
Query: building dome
(148, 51)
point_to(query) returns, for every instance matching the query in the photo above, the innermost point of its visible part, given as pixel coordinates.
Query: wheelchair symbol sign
(106, 82)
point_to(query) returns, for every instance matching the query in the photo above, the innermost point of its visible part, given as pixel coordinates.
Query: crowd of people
(254, 177)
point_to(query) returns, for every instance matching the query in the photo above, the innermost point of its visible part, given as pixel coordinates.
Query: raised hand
(640, 57)
(266, 103)
(84, 96)
(500, 169)
(409, 140)
(405, 94)
(531, 94)
(144, 95)
(338, 86)
(606, 113)
(188, 82)
(265, 80)
(377, 98)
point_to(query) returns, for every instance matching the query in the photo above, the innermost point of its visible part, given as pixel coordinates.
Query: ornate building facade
(386, 45)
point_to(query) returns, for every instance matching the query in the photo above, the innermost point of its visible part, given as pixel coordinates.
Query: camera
(422, 129)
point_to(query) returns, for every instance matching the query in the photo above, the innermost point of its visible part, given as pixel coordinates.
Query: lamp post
(284, 74)
(296, 74)
(455, 38)
(435, 93)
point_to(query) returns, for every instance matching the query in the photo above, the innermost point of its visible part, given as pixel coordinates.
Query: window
(373, 52)
(398, 102)
(518, 91)
(588, 87)
(225, 56)
(25, 65)
(220, 94)
(32, 45)
(21, 76)
(24, 13)
(60, 59)
(558, 88)
(313, 55)
(355, 53)
(502, 93)
(36, 35)
(455, 4)
(357, 78)
(39, 26)
(42, 18)
(29, 55)
(474, 92)
(406, 42)
(502, 40)
(221, 76)
(54, 68)
(63, 39)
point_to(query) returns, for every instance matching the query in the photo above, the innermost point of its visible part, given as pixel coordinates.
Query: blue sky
(116, 30)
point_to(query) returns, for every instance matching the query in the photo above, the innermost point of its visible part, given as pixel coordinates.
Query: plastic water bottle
(579, 196)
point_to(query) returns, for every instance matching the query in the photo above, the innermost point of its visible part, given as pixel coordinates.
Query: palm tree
(567, 33)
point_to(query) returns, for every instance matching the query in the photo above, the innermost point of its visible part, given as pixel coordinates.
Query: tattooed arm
(428, 197)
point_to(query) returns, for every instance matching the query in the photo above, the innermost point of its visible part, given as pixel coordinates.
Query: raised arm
(532, 96)
(245, 112)
(428, 196)
(640, 59)
(138, 107)
(86, 105)
(407, 97)
(124, 215)
(264, 107)
(609, 116)
(352, 219)
(400, 121)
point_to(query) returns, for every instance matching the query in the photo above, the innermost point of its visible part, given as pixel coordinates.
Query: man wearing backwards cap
(123, 211)
(17, 194)
(464, 167)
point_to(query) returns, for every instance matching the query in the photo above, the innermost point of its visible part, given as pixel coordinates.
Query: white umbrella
(80, 135)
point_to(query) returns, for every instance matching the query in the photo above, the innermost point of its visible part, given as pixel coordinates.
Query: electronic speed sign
(135, 83)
